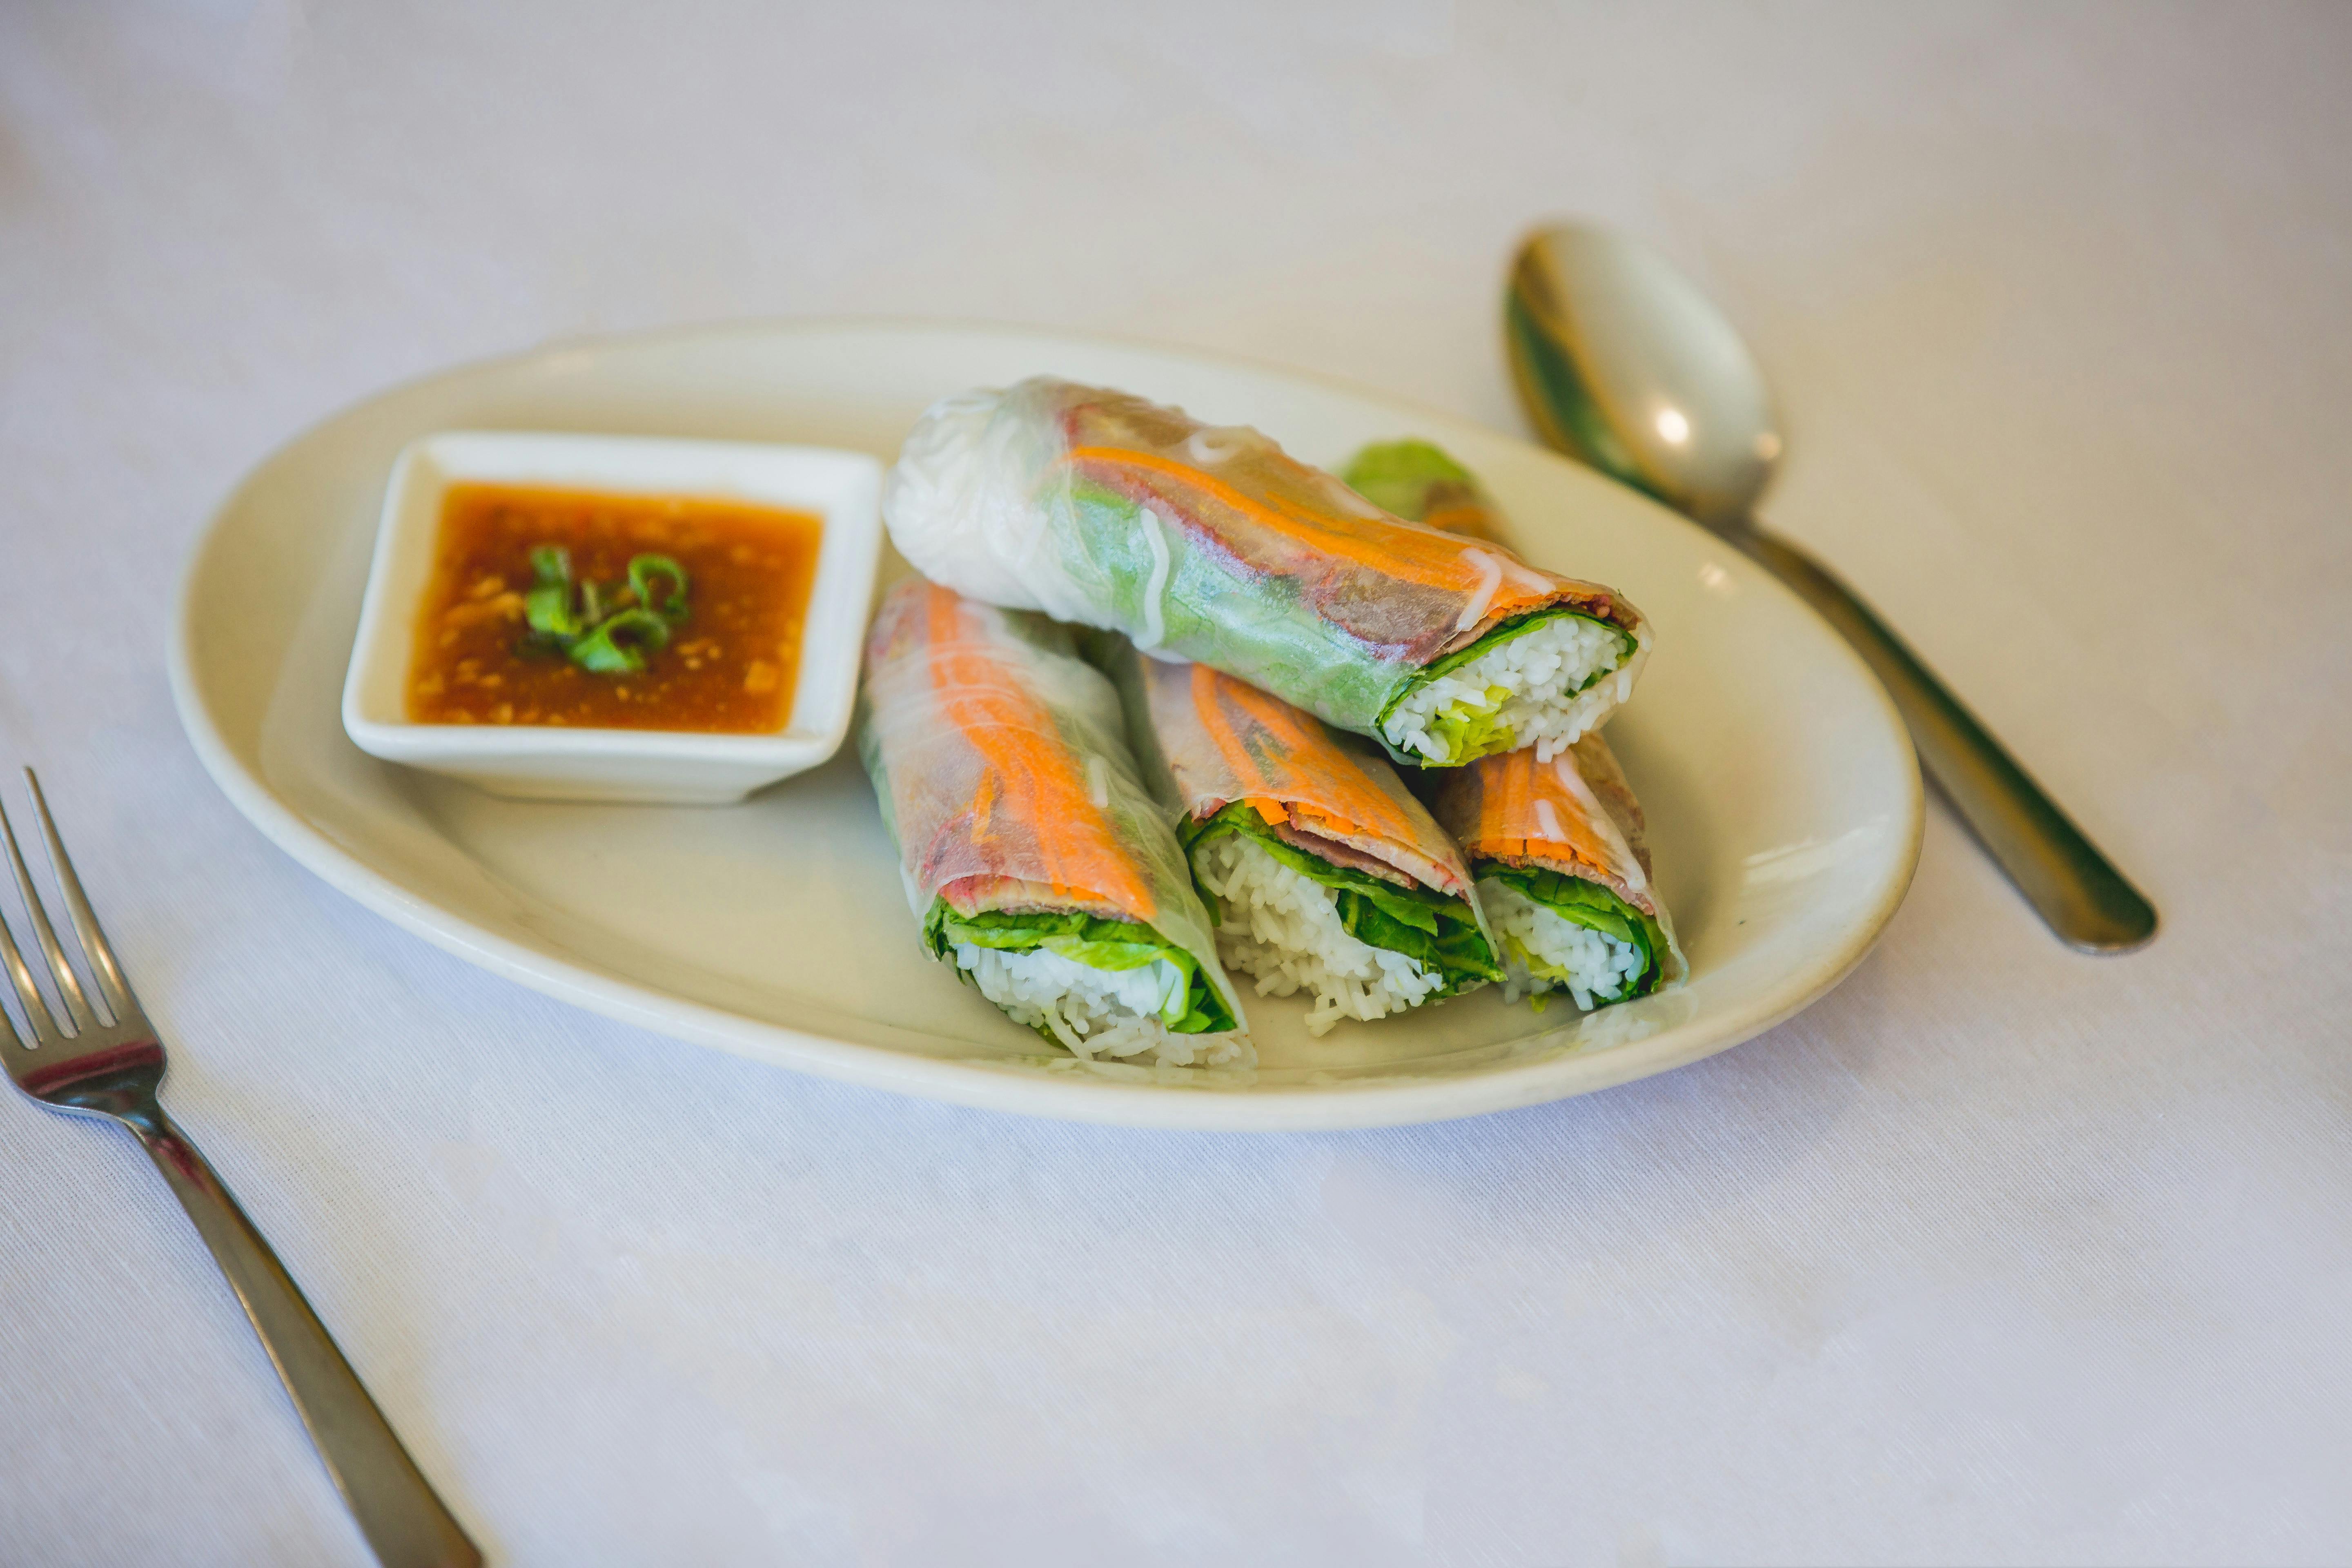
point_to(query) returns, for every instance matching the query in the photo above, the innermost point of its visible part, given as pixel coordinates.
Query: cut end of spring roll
(1212, 544)
(1362, 946)
(1542, 680)
(1098, 987)
(1037, 863)
(1324, 873)
(1564, 875)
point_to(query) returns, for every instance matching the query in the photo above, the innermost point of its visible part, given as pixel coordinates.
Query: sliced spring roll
(1324, 872)
(1212, 545)
(1564, 873)
(1559, 847)
(1036, 862)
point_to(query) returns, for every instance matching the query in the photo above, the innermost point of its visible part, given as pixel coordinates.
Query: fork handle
(407, 1525)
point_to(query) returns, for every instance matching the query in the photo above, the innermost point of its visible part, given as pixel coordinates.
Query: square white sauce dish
(614, 619)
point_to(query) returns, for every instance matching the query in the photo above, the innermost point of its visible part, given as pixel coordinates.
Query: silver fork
(105, 1060)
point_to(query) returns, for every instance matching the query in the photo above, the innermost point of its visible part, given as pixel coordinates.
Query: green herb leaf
(550, 565)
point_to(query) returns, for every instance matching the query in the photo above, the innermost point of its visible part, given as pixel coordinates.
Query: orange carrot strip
(1021, 751)
(1509, 786)
(1367, 810)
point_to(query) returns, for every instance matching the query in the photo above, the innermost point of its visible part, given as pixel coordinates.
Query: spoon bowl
(1622, 363)
(1630, 367)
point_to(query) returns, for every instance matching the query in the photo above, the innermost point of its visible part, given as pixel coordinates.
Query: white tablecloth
(1998, 1253)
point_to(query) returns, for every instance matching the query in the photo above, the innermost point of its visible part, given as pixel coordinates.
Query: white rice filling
(1543, 951)
(1093, 1012)
(1537, 680)
(1283, 927)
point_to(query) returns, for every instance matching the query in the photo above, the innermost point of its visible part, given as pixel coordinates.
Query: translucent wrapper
(1215, 742)
(1003, 769)
(1212, 545)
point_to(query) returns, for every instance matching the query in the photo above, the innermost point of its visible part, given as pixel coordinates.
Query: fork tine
(76, 1005)
(36, 1012)
(114, 990)
(12, 1045)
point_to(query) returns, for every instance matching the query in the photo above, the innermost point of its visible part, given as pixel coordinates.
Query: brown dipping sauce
(728, 668)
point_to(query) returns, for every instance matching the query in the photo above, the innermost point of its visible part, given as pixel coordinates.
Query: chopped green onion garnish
(646, 572)
(548, 608)
(619, 643)
(580, 620)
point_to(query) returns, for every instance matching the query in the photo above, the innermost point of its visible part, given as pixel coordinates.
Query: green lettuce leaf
(1197, 1008)
(1469, 733)
(1591, 905)
(1435, 928)
(1396, 475)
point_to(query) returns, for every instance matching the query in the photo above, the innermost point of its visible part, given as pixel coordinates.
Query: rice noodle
(1212, 444)
(1095, 1013)
(1283, 927)
(1490, 577)
(1542, 951)
(1534, 684)
(1526, 577)
(1154, 626)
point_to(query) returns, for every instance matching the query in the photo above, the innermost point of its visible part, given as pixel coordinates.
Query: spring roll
(1034, 858)
(1324, 874)
(1212, 545)
(1563, 870)
(1559, 847)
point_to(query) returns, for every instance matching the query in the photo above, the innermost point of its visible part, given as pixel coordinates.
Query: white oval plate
(1783, 800)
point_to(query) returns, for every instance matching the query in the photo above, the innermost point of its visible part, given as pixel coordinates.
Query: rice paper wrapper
(1207, 741)
(1574, 815)
(1208, 543)
(1000, 759)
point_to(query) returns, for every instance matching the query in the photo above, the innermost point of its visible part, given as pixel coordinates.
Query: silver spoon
(1623, 363)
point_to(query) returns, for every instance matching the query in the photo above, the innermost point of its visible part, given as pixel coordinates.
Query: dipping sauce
(728, 667)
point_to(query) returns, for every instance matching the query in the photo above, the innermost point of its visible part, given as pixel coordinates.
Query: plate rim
(1397, 1100)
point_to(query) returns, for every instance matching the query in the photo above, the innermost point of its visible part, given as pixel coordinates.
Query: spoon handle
(2061, 874)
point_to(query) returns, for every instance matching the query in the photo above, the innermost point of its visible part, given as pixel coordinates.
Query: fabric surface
(1998, 1253)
